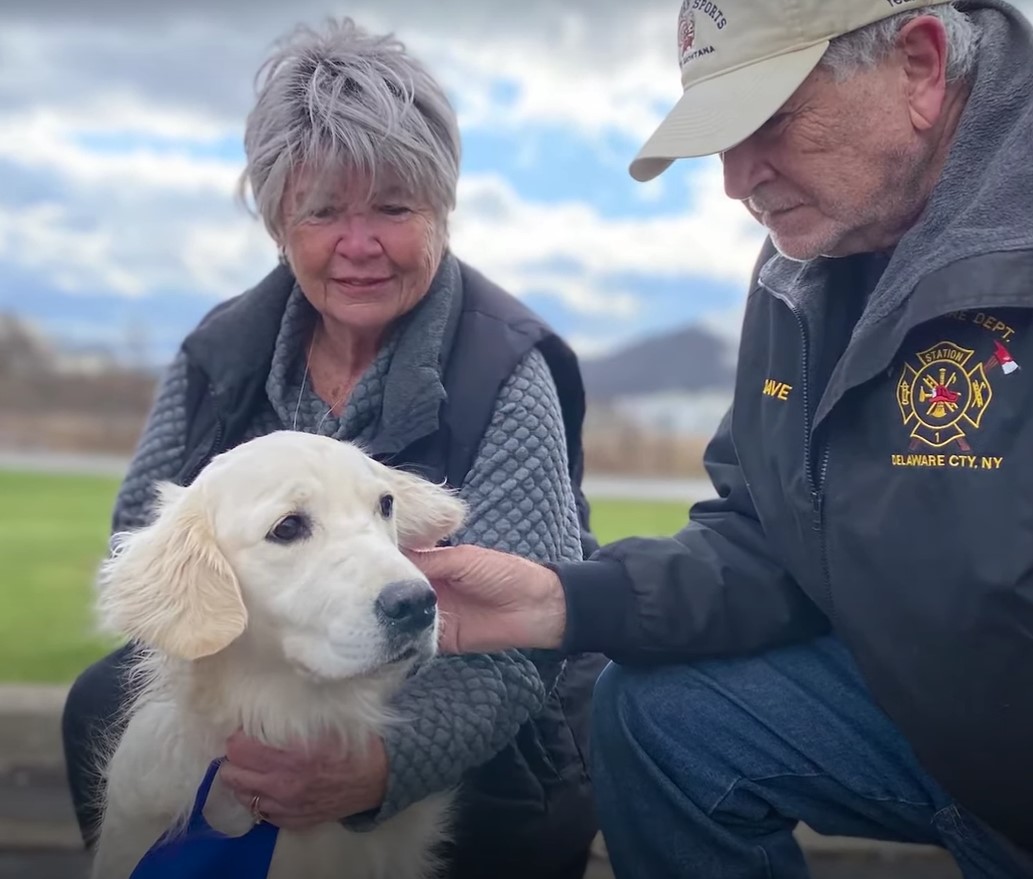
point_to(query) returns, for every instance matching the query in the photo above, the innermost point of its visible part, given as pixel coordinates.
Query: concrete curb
(30, 724)
(35, 807)
(31, 836)
(30, 745)
(32, 697)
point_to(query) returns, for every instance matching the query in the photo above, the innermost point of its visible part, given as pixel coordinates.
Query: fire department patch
(941, 399)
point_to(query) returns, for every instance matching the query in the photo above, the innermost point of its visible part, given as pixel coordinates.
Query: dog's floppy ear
(425, 513)
(168, 585)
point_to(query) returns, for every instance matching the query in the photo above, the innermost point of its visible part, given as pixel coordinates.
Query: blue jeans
(705, 769)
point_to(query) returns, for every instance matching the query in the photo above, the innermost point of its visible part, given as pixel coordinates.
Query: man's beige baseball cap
(740, 61)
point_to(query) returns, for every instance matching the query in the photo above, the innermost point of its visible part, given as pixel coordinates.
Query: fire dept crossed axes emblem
(941, 398)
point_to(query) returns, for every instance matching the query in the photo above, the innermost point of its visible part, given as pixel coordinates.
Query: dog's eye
(290, 528)
(387, 505)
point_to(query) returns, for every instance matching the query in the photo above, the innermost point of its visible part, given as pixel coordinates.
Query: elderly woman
(371, 330)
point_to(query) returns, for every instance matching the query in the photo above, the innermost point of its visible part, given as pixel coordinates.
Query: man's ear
(425, 513)
(169, 586)
(923, 46)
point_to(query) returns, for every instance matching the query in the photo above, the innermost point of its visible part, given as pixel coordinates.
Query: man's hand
(492, 601)
(299, 788)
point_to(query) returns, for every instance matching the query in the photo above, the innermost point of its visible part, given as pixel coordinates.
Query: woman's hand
(300, 787)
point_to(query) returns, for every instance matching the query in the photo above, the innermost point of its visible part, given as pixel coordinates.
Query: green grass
(614, 519)
(53, 533)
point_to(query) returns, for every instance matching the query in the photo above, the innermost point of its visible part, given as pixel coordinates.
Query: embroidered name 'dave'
(778, 390)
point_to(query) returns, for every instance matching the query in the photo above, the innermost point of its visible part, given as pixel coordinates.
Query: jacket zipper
(815, 475)
(817, 499)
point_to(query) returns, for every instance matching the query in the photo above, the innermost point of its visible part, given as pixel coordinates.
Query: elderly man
(844, 636)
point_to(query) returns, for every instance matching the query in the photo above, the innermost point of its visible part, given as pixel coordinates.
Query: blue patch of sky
(550, 163)
(503, 93)
(24, 186)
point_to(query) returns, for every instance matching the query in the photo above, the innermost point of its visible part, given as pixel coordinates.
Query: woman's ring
(256, 811)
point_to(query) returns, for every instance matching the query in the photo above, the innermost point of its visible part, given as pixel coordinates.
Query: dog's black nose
(408, 605)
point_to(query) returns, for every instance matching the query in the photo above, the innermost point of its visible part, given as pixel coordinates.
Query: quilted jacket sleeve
(159, 451)
(462, 710)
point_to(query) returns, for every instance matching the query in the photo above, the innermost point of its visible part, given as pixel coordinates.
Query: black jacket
(895, 508)
(528, 811)
(892, 503)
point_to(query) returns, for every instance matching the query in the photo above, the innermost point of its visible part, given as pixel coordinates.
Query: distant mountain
(690, 359)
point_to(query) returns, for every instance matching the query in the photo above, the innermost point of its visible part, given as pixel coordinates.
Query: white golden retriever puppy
(272, 596)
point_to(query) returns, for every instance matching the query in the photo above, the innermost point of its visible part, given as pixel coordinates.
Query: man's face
(838, 169)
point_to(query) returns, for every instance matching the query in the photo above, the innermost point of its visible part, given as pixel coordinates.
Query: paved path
(686, 491)
(62, 462)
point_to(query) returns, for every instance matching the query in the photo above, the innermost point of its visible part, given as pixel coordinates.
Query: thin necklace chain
(304, 384)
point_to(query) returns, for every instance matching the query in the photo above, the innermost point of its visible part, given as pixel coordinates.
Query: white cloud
(711, 237)
(45, 140)
(142, 237)
(584, 81)
(41, 238)
(128, 231)
(590, 66)
(128, 221)
(161, 218)
(171, 81)
(651, 191)
(226, 258)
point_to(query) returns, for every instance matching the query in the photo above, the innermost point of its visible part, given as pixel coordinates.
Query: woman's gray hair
(344, 101)
(869, 45)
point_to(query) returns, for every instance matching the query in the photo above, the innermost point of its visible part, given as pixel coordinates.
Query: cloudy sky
(121, 144)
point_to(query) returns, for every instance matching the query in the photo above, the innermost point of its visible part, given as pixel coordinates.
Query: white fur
(279, 639)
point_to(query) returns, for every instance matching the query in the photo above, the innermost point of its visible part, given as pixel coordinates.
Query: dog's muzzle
(407, 608)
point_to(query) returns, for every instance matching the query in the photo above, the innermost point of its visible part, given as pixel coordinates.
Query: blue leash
(201, 852)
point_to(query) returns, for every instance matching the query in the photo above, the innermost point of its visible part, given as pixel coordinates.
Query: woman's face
(361, 262)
